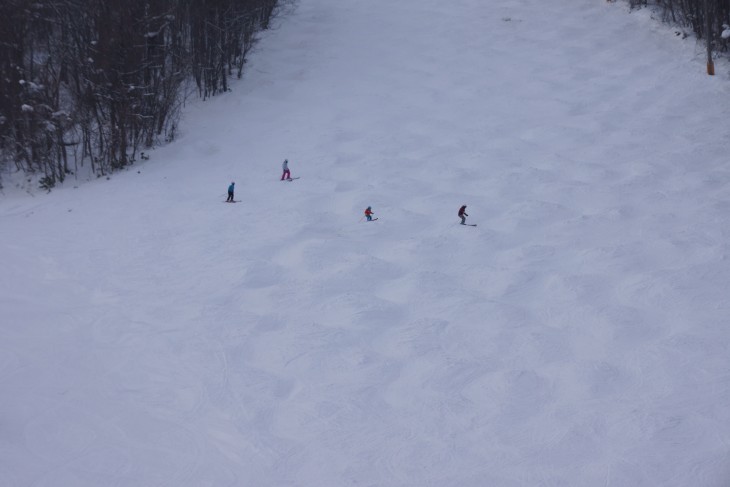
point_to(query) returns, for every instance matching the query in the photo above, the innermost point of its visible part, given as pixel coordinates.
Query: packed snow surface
(153, 335)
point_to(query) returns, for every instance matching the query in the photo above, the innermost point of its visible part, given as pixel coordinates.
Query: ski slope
(153, 336)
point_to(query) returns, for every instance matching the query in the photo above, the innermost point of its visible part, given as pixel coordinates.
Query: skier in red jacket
(369, 213)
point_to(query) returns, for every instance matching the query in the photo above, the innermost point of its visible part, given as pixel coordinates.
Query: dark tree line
(96, 81)
(704, 17)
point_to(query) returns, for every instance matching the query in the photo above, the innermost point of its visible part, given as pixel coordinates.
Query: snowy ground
(578, 336)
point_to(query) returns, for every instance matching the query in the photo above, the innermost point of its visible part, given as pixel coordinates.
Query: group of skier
(462, 214)
(286, 174)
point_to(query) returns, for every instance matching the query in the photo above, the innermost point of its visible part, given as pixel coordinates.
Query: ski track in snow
(154, 337)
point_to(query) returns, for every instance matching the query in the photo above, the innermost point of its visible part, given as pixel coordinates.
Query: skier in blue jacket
(230, 193)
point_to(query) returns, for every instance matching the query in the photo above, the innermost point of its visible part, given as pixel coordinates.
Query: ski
(291, 179)
(469, 224)
(234, 201)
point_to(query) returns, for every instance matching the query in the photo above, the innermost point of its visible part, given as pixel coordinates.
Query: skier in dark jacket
(463, 214)
(230, 192)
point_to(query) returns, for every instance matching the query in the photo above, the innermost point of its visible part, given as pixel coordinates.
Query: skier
(286, 174)
(463, 214)
(369, 213)
(230, 193)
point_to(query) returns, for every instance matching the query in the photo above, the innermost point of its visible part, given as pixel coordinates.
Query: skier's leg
(463, 220)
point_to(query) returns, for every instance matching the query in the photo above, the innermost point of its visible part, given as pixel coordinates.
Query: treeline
(704, 17)
(94, 82)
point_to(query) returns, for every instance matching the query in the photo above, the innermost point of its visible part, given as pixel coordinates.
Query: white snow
(578, 336)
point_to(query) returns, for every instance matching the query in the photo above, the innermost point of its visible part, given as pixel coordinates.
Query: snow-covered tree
(93, 82)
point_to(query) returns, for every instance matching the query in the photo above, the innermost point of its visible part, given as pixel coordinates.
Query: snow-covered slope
(154, 336)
